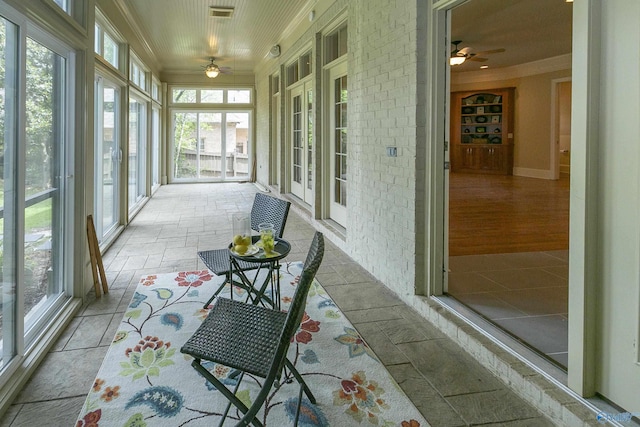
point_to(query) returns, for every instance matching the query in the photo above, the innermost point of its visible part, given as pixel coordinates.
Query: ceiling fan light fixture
(212, 70)
(456, 60)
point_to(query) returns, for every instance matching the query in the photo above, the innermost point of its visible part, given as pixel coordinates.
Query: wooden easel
(96, 259)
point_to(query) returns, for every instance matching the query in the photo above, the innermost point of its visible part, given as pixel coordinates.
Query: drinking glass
(267, 239)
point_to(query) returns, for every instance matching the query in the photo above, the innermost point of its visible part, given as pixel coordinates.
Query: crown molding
(548, 65)
(128, 16)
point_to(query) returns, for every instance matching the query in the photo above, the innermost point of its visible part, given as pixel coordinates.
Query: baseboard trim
(533, 173)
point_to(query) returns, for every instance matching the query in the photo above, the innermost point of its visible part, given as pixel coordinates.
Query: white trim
(533, 173)
(548, 65)
(583, 203)
(554, 147)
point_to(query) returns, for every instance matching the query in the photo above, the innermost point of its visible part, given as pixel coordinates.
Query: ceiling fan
(212, 70)
(458, 56)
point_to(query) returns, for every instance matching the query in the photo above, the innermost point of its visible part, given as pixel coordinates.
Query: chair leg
(229, 395)
(227, 279)
(300, 380)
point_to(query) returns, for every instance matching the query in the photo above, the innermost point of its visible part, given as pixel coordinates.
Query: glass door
(338, 143)
(108, 157)
(211, 146)
(302, 132)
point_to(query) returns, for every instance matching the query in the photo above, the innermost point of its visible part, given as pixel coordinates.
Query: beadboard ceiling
(183, 36)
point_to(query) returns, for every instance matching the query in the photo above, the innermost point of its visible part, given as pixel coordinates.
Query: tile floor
(446, 384)
(524, 293)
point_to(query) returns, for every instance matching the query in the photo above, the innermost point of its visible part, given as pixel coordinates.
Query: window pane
(211, 96)
(239, 96)
(184, 96)
(210, 137)
(64, 4)
(45, 80)
(110, 50)
(184, 145)
(107, 164)
(340, 136)
(155, 147)
(97, 46)
(237, 144)
(297, 139)
(137, 155)
(8, 142)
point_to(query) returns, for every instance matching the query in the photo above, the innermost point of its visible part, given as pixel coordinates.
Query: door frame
(583, 198)
(554, 145)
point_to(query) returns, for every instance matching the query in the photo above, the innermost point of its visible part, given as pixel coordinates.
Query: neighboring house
(383, 86)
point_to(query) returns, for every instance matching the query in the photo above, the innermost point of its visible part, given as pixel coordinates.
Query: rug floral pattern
(146, 381)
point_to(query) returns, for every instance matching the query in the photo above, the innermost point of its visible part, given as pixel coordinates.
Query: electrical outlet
(392, 151)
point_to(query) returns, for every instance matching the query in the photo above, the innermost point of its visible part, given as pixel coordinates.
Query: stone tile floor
(524, 293)
(445, 383)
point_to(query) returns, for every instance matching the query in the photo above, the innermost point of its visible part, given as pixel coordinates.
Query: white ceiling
(528, 30)
(183, 36)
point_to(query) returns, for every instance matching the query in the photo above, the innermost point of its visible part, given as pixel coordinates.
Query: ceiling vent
(221, 12)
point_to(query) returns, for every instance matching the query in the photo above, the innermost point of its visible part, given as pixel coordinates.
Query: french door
(211, 145)
(302, 133)
(36, 215)
(338, 96)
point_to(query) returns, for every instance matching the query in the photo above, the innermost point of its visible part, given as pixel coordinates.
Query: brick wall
(383, 110)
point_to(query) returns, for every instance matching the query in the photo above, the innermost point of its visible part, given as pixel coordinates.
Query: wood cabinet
(482, 131)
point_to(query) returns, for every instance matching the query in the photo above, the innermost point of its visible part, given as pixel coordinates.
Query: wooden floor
(492, 214)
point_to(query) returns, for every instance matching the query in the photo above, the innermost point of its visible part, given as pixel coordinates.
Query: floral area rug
(146, 381)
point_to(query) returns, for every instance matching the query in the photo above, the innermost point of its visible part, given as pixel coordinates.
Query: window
(299, 69)
(210, 142)
(335, 44)
(184, 96)
(210, 146)
(138, 73)
(106, 43)
(212, 96)
(137, 152)
(155, 90)
(36, 122)
(155, 147)
(239, 96)
(107, 158)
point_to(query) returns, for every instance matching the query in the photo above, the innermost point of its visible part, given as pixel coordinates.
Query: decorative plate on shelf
(467, 110)
(495, 140)
(481, 119)
(495, 109)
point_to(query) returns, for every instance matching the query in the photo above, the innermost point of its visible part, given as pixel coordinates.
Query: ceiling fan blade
(489, 52)
(464, 51)
(476, 58)
(225, 70)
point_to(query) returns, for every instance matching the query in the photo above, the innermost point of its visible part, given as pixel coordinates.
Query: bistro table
(270, 263)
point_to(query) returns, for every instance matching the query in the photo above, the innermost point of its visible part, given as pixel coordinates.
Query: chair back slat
(269, 209)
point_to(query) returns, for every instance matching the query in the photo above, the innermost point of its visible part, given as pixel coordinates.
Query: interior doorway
(508, 232)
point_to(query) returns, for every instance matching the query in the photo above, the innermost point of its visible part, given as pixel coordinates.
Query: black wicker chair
(254, 339)
(265, 209)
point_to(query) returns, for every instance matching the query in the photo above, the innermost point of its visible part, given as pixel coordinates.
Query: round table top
(280, 250)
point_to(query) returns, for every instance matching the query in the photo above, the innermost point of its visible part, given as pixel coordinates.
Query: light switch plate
(392, 151)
